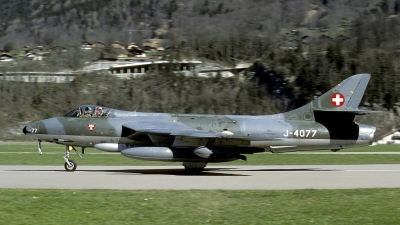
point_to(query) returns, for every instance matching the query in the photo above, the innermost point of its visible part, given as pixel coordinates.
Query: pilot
(98, 111)
(88, 111)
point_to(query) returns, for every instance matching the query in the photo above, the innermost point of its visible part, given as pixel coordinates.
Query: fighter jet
(326, 123)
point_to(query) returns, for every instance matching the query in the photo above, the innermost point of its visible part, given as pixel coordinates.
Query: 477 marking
(301, 133)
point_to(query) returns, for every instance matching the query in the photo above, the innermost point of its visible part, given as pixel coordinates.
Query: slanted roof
(117, 45)
(98, 44)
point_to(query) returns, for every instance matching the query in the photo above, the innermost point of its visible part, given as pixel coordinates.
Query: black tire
(71, 168)
(193, 171)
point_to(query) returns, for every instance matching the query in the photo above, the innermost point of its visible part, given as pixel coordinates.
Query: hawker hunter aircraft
(325, 123)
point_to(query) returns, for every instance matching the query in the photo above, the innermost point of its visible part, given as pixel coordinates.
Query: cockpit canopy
(89, 111)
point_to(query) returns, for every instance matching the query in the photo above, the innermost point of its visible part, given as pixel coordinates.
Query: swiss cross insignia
(337, 99)
(90, 126)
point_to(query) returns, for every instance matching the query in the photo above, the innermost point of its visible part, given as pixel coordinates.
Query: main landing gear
(194, 167)
(70, 165)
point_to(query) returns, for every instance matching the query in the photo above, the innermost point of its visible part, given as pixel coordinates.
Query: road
(214, 177)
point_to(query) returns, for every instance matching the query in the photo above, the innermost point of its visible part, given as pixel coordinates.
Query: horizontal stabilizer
(348, 110)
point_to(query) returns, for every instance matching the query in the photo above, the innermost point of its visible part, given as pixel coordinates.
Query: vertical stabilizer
(345, 96)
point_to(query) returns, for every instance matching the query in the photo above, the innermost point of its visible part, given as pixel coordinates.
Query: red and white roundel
(337, 99)
(90, 126)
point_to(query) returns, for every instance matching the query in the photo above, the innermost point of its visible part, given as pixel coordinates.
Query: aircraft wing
(180, 131)
(217, 135)
(161, 128)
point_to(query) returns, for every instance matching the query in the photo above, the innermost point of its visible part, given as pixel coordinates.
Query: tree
(396, 7)
(385, 6)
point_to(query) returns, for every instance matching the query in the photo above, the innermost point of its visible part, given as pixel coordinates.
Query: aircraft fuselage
(327, 122)
(257, 131)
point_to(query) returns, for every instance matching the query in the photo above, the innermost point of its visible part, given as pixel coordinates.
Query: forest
(299, 50)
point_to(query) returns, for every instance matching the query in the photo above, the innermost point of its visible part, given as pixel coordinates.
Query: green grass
(358, 206)
(26, 154)
(375, 148)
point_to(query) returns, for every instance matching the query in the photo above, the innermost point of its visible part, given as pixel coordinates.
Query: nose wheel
(71, 166)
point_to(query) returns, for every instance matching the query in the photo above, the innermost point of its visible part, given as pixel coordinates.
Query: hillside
(67, 22)
(299, 49)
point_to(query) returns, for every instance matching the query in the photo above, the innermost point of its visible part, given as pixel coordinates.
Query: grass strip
(356, 206)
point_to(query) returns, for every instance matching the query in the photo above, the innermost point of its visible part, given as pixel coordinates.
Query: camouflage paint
(324, 123)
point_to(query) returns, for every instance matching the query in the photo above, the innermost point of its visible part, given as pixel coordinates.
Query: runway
(214, 177)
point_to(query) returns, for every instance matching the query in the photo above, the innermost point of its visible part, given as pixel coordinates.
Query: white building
(392, 137)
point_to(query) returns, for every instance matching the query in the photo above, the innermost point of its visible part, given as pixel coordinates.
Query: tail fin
(346, 96)
(343, 98)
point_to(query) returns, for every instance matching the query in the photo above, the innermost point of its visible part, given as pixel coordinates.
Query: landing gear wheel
(194, 167)
(71, 167)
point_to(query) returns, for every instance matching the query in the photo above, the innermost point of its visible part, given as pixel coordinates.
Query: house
(137, 68)
(4, 57)
(150, 47)
(98, 44)
(117, 45)
(122, 56)
(35, 53)
(86, 46)
(34, 56)
(132, 46)
(135, 50)
(37, 50)
(391, 137)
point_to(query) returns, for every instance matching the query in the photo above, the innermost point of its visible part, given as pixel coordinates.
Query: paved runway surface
(214, 177)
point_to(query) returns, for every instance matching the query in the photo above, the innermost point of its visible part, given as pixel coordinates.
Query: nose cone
(27, 130)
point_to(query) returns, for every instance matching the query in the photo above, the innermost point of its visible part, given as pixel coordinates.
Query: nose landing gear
(70, 165)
